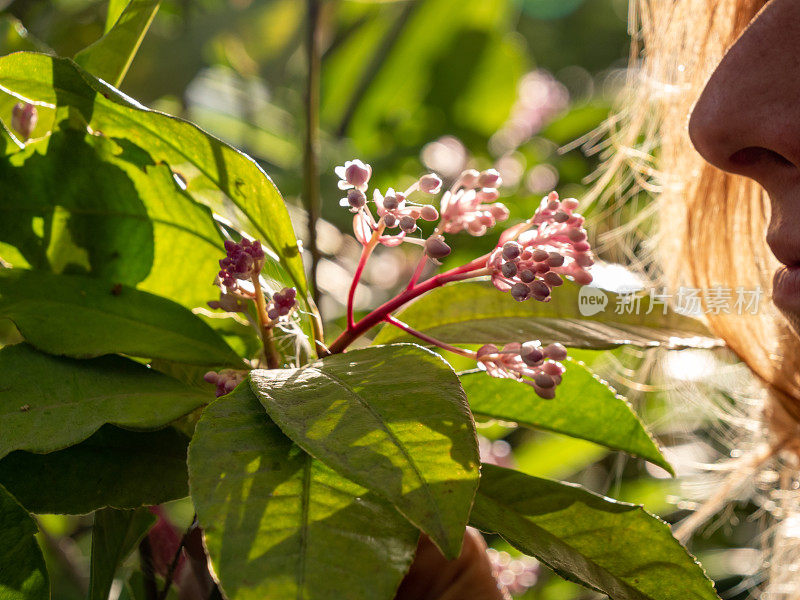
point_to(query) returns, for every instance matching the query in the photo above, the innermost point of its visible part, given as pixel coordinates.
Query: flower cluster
(225, 380)
(470, 204)
(23, 119)
(516, 575)
(282, 303)
(529, 363)
(243, 261)
(535, 256)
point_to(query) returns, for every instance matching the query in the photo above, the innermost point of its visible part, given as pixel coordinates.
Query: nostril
(754, 156)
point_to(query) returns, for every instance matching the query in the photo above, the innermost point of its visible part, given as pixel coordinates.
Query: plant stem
(366, 251)
(175, 560)
(311, 144)
(146, 566)
(426, 338)
(265, 327)
(472, 269)
(418, 271)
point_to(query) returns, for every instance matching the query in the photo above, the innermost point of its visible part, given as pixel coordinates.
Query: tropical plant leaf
(52, 402)
(613, 547)
(279, 524)
(23, 575)
(114, 467)
(584, 407)
(114, 535)
(85, 317)
(215, 174)
(110, 57)
(476, 313)
(75, 202)
(393, 419)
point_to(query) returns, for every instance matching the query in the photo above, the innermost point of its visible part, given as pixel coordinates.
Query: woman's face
(747, 121)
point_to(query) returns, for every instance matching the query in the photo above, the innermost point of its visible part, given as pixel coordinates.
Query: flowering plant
(312, 467)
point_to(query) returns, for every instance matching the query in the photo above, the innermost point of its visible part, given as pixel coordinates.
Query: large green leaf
(215, 174)
(75, 202)
(52, 402)
(393, 419)
(114, 467)
(477, 313)
(279, 524)
(110, 56)
(84, 317)
(613, 547)
(584, 407)
(23, 575)
(114, 535)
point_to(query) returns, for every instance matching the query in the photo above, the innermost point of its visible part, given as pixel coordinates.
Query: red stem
(426, 338)
(418, 271)
(379, 314)
(366, 251)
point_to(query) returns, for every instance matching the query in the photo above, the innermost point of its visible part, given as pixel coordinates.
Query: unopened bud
(357, 173)
(487, 195)
(499, 211)
(555, 259)
(543, 380)
(520, 291)
(390, 202)
(560, 217)
(429, 213)
(539, 290)
(552, 279)
(511, 250)
(435, 247)
(408, 224)
(526, 276)
(531, 354)
(23, 119)
(490, 179)
(555, 351)
(469, 178)
(390, 220)
(540, 255)
(430, 184)
(576, 235)
(570, 204)
(356, 198)
(508, 269)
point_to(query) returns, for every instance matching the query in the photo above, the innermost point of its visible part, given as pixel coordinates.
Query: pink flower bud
(508, 269)
(560, 217)
(23, 119)
(540, 255)
(429, 213)
(520, 292)
(408, 224)
(499, 211)
(569, 204)
(511, 250)
(552, 279)
(390, 202)
(435, 247)
(430, 184)
(526, 275)
(210, 377)
(554, 259)
(487, 195)
(469, 178)
(576, 235)
(555, 351)
(390, 220)
(356, 198)
(543, 380)
(357, 173)
(490, 179)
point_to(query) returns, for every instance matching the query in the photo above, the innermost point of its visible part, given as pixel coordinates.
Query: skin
(469, 577)
(747, 121)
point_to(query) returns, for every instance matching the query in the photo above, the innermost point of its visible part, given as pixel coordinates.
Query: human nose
(747, 120)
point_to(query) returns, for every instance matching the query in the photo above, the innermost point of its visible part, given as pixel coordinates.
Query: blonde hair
(701, 228)
(705, 227)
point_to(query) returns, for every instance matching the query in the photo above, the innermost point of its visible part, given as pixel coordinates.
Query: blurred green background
(408, 86)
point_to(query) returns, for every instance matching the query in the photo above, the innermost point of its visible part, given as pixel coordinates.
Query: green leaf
(114, 467)
(613, 547)
(51, 402)
(393, 419)
(23, 575)
(215, 174)
(584, 407)
(110, 57)
(115, 8)
(279, 524)
(75, 202)
(115, 534)
(84, 317)
(477, 313)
